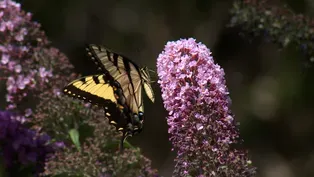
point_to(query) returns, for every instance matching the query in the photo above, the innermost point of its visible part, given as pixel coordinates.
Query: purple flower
(18, 68)
(44, 73)
(201, 125)
(5, 59)
(20, 145)
(26, 59)
(28, 112)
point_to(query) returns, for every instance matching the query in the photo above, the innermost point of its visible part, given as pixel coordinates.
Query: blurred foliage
(278, 25)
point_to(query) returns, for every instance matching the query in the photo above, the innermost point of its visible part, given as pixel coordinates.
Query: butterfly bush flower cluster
(34, 73)
(22, 146)
(201, 126)
(22, 69)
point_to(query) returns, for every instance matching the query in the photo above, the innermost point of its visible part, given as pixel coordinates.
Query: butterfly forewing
(147, 87)
(149, 92)
(122, 70)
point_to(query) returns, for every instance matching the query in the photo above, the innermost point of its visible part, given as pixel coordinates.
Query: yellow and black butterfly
(118, 89)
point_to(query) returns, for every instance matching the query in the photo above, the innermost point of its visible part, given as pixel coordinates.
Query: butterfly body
(118, 89)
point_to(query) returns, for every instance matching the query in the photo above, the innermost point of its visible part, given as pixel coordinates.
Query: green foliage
(74, 134)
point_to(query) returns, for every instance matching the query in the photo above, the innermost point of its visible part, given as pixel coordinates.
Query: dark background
(272, 91)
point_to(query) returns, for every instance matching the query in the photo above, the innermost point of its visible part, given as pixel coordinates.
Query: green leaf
(74, 134)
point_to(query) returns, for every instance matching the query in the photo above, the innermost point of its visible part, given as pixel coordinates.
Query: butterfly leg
(124, 136)
(121, 143)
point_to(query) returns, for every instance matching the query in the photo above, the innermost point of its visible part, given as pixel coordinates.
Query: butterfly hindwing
(97, 90)
(116, 117)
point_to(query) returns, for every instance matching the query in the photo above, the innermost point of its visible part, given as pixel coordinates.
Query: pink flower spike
(200, 122)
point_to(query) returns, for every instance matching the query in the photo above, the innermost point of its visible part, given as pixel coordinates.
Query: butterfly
(118, 89)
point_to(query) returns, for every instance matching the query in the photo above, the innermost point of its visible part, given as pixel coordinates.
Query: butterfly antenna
(151, 70)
